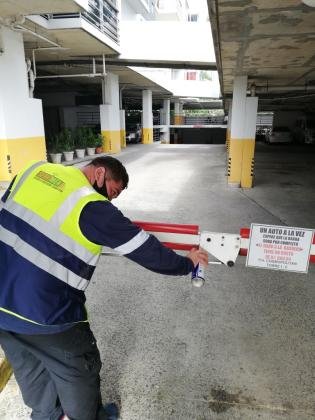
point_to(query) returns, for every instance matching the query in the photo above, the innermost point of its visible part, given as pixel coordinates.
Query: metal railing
(101, 14)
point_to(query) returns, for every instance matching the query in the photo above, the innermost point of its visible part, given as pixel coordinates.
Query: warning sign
(279, 248)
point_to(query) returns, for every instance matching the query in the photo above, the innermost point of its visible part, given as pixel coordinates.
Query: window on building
(205, 75)
(193, 17)
(191, 75)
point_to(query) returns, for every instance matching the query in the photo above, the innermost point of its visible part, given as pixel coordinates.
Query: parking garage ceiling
(271, 41)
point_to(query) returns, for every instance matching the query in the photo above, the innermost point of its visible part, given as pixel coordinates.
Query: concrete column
(247, 174)
(22, 135)
(178, 113)
(147, 117)
(110, 115)
(242, 137)
(237, 131)
(166, 113)
(122, 128)
(228, 129)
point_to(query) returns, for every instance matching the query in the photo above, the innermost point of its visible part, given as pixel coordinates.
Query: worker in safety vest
(54, 221)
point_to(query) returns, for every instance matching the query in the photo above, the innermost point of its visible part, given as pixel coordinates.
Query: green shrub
(80, 138)
(53, 145)
(66, 140)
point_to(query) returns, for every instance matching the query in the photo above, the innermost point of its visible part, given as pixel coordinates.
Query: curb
(5, 373)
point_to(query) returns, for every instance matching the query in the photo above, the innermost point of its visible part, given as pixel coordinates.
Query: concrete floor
(241, 347)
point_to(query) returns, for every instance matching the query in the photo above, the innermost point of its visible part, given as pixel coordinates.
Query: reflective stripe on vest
(42, 261)
(55, 235)
(50, 229)
(67, 206)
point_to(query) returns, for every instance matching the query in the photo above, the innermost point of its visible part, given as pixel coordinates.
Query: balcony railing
(102, 14)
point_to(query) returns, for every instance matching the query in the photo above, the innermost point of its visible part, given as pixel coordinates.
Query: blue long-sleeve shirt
(102, 223)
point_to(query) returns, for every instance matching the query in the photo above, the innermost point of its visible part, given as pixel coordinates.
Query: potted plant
(53, 148)
(91, 141)
(67, 144)
(80, 142)
(99, 145)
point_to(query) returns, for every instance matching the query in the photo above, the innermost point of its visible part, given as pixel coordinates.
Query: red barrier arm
(175, 229)
(168, 227)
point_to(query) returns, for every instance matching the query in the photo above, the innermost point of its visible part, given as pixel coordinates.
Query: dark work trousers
(57, 373)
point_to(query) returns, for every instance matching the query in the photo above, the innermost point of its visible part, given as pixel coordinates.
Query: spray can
(198, 276)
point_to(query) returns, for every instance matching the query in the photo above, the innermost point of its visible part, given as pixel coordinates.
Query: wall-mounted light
(310, 3)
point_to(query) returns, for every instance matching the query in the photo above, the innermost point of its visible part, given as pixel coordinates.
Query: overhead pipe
(91, 75)
(271, 89)
(58, 76)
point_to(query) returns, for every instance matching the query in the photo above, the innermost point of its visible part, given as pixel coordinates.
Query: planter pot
(68, 156)
(90, 151)
(55, 157)
(80, 153)
(99, 149)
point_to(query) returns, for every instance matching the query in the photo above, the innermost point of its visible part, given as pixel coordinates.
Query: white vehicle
(279, 135)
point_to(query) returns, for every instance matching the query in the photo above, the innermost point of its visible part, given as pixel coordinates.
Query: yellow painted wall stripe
(111, 141)
(178, 119)
(241, 162)
(5, 373)
(147, 135)
(15, 153)
(228, 139)
(248, 163)
(123, 139)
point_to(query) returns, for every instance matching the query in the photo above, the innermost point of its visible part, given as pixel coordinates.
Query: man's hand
(198, 256)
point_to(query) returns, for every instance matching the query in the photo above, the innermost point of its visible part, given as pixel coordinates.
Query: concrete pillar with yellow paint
(178, 113)
(242, 138)
(238, 109)
(165, 135)
(247, 174)
(147, 117)
(122, 128)
(228, 128)
(110, 115)
(22, 135)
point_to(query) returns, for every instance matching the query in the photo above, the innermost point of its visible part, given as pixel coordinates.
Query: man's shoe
(111, 411)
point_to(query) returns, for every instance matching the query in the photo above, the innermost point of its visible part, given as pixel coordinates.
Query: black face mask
(101, 190)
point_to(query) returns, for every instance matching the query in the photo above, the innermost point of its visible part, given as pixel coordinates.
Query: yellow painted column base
(15, 153)
(228, 139)
(241, 163)
(178, 119)
(147, 135)
(111, 141)
(123, 139)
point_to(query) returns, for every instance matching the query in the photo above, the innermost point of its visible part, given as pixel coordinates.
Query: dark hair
(116, 168)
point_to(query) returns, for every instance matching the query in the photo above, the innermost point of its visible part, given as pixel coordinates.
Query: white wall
(127, 11)
(180, 87)
(110, 117)
(174, 41)
(21, 115)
